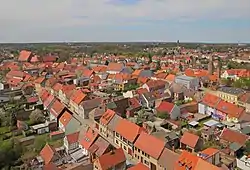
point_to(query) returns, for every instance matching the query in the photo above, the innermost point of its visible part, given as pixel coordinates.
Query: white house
(71, 142)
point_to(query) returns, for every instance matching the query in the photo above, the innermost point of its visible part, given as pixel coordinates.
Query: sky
(215, 21)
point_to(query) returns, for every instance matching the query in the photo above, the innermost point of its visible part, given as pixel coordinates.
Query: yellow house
(230, 94)
(126, 134)
(148, 149)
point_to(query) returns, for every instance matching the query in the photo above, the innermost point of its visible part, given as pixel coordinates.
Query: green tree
(36, 116)
(162, 115)
(150, 57)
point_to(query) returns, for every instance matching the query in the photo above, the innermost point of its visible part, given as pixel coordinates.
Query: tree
(36, 116)
(162, 115)
(150, 57)
(247, 148)
(180, 67)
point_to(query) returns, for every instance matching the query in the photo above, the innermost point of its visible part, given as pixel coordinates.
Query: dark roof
(231, 90)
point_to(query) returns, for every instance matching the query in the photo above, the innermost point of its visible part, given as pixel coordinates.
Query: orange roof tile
(88, 139)
(115, 67)
(189, 139)
(57, 87)
(24, 55)
(128, 130)
(210, 100)
(77, 96)
(137, 72)
(144, 142)
(210, 151)
(170, 77)
(65, 118)
(193, 162)
(230, 109)
(107, 116)
(73, 137)
(57, 108)
(47, 153)
(111, 159)
(233, 136)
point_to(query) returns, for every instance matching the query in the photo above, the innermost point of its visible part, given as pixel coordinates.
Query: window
(117, 134)
(124, 148)
(116, 141)
(146, 162)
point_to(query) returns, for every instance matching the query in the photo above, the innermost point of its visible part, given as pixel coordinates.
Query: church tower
(210, 65)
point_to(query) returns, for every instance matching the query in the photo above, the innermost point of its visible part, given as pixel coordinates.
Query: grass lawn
(41, 140)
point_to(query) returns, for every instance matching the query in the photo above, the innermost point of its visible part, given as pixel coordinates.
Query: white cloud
(27, 15)
(60, 12)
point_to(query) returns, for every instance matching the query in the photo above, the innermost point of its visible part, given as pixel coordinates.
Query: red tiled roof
(156, 84)
(24, 55)
(57, 108)
(139, 166)
(77, 96)
(57, 87)
(170, 77)
(189, 139)
(115, 67)
(210, 100)
(65, 118)
(107, 116)
(47, 153)
(111, 159)
(233, 136)
(165, 107)
(88, 139)
(128, 130)
(193, 162)
(144, 142)
(230, 109)
(73, 137)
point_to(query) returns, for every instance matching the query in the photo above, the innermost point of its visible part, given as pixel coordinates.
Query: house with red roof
(189, 161)
(65, 92)
(115, 159)
(71, 142)
(229, 136)
(114, 68)
(39, 83)
(56, 110)
(89, 137)
(76, 98)
(208, 104)
(190, 142)
(126, 134)
(171, 109)
(229, 111)
(155, 85)
(49, 155)
(56, 88)
(145, 152)
(210, 155)
(25, 56)
(68, 124)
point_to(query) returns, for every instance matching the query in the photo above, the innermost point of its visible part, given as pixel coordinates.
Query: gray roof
(146, 73)
(234, 146)
(232, 90)
(183, 77)
(168, 159)
(246, 130)
(91, 104)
